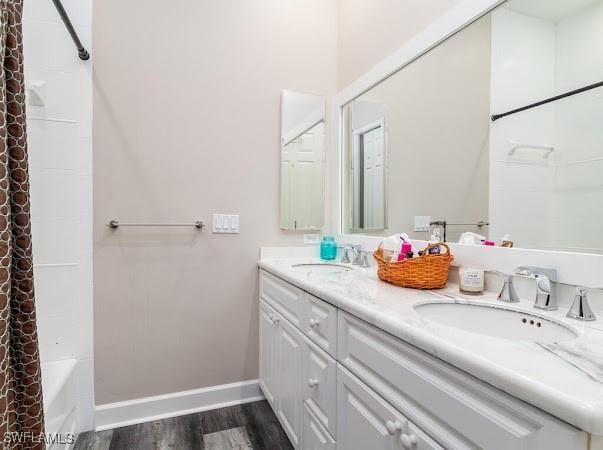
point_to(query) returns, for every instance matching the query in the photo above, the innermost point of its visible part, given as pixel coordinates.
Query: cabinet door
(315, 437)
(268, 352)
(365, 420)
(289, 370)
(320, 384)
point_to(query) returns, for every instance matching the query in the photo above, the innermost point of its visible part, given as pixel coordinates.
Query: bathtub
(59, 387)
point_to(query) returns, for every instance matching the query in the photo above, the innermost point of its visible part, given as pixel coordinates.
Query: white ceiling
(551, 10)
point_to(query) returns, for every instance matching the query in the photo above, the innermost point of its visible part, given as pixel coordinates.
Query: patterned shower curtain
(21, 412)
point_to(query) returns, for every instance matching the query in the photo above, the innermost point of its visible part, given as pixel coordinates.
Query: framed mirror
(302, 161)
(496, 131)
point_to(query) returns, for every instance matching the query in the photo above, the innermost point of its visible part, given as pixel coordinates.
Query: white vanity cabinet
(349, 385)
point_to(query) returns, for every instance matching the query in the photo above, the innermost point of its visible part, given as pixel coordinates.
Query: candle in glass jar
(471, 280)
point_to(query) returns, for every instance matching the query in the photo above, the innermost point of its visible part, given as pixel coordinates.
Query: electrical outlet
(422, 223)
(226, 224)
(311, 239)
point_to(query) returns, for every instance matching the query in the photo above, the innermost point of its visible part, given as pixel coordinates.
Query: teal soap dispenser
(328, 248)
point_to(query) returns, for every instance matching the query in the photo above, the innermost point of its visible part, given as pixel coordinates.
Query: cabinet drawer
(319, 384)
(365, 420)
(456, 408)
(282, 296)
(319, 322)
(315, 437)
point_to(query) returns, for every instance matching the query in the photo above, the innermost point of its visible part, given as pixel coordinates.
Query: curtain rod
(548, 100)
(82, 52)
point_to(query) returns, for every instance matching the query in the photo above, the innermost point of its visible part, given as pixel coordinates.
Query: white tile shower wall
(578, 193)
(553, 194)
(60, 149)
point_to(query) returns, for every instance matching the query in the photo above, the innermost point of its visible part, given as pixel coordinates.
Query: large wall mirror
(302, 161)
(455, 137)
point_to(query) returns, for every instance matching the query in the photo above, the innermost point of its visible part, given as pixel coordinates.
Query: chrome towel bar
(199, 224)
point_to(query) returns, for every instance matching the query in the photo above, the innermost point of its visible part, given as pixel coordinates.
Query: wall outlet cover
(311, 239)
(422, 223)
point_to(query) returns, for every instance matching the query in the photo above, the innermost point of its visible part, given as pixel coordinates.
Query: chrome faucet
(507, 293)
(580, 309)
(546, 286)
(359, 258)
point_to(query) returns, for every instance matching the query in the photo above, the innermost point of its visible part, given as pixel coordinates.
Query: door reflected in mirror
(302, 161)
(367, 166)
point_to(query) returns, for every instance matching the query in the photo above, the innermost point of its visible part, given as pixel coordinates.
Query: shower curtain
(21, 412)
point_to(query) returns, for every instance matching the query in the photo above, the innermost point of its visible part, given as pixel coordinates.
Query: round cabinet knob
(314, 323)
(393, 427)
(408, 441)
(312, 382)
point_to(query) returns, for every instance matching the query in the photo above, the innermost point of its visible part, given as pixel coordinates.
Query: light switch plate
(311, 239)
(422, 223)
(226, 224)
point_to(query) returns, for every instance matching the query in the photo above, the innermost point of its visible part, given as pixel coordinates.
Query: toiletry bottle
(389, 248)
(405, 251)
(435, 239)
(506, 241)
(328, 248)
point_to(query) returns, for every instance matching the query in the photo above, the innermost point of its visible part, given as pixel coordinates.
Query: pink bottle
(406, 249)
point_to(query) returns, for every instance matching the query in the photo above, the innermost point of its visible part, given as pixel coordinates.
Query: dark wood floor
(248, 426)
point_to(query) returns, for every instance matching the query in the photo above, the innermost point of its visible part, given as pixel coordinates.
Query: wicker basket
(423, 272)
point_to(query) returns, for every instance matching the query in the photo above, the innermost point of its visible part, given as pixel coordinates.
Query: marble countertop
(564, 379)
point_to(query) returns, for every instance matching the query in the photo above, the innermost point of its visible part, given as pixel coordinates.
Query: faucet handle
(357, 255)
(507, 293)
(580, 309)
(364, 261)
(345, 258)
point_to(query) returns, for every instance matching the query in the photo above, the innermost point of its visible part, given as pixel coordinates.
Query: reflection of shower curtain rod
(548, 100)
(298, 135)
(82, 52)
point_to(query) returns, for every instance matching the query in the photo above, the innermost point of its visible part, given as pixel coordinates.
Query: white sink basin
(322, 268)
(497, 322)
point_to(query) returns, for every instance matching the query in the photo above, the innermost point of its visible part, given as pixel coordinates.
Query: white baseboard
(131, 412)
